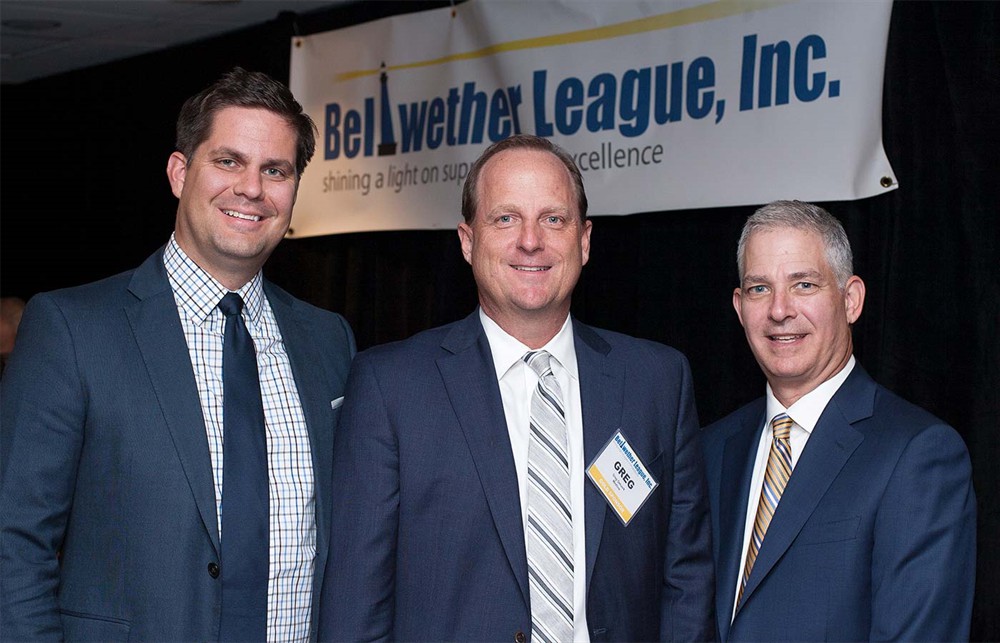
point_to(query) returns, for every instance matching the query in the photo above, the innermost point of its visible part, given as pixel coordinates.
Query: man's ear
(588, 225)
(854, 298)
(176, 173)
(737, 300)
(465, 235)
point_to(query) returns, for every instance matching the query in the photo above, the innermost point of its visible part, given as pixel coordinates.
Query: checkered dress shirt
(291, 493)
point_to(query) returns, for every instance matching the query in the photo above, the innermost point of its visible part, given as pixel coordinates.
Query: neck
(788, 393)
(232, 281)
(232, 277)
(534, 332)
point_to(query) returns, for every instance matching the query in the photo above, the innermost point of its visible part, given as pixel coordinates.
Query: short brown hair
(242, 88)
(470, 198)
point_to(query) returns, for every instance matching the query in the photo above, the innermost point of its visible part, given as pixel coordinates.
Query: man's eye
(227, 162)
(757, 290)
(274, 172)
(504, 218)
(553, 219)
(805, 285)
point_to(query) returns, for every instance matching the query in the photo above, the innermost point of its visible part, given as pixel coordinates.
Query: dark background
(84, 195)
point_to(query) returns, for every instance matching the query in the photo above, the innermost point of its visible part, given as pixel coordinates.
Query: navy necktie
(244, 485)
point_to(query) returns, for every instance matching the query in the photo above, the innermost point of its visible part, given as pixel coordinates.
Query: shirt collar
(199, 292)
(807, 409)
(507, 350)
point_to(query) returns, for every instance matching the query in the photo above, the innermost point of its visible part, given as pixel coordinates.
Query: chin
(782, 370)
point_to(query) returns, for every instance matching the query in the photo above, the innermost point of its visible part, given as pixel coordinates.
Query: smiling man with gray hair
(840, 511)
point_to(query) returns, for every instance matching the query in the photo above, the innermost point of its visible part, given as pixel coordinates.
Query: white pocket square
(337, 403)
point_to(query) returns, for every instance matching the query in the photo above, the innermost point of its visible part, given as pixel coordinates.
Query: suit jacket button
(519, 637)
(213, 570)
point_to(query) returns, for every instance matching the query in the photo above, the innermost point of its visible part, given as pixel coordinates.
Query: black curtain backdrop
(84, 195)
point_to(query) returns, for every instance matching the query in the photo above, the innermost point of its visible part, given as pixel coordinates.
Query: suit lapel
(734, 488)
(602, 386)
(160, 338)
(470, 380)
(312, 382)
(831, 444)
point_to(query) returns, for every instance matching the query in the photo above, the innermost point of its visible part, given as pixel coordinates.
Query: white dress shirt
(517, 384)
(805, 412)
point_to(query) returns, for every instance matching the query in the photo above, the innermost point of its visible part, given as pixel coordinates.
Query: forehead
(526, 172)
(231, 125)
(520, 163)
(774, 249)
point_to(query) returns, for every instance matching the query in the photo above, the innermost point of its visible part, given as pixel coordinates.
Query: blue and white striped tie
(549, 533)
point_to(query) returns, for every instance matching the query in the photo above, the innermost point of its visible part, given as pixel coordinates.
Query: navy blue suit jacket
(104, 457)
(428, 542)
(874, 537)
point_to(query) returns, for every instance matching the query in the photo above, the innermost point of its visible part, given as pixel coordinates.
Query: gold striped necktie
(779, 468)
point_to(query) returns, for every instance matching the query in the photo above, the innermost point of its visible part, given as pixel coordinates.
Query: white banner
(665, 105)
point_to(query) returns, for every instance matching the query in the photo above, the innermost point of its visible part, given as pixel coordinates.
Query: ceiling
(40, 38)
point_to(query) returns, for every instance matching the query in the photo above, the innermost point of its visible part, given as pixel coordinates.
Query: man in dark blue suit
(840, 511)
(449, 523)
(114, 442)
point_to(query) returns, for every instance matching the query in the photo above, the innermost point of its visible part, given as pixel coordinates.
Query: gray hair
(802, 216)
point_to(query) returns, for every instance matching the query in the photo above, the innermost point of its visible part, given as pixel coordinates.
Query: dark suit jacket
(104, 456)
(428, 542)
(874, 537)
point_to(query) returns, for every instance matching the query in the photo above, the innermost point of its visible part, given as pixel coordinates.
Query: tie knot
(539, 361)
(231, 304)
(782, 426)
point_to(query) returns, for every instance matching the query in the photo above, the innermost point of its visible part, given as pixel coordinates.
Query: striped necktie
(549, 534)
(779, 468)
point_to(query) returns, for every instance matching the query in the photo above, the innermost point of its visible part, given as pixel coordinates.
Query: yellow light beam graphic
(701, 13)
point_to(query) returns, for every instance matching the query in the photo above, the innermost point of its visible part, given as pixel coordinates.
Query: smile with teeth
(531, 268)
(239, 215)
(784, 338)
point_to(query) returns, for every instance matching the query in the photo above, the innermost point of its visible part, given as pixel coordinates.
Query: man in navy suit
(861, 525)
(440, 525)
(112, 442)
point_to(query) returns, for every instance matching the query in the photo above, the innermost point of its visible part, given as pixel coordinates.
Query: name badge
(622, 477)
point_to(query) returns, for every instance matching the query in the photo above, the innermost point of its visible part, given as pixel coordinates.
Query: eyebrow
(503, 207)
(229, 152)
(795, 276)
(805, 274)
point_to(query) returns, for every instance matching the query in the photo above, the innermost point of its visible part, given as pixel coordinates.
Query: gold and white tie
(779, 468)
